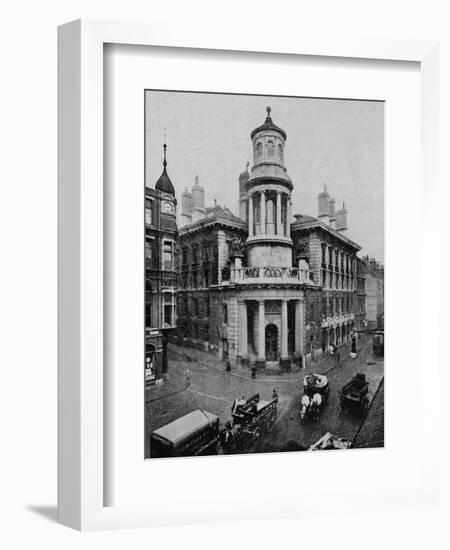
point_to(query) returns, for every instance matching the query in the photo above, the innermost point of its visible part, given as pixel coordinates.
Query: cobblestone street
(197, 380)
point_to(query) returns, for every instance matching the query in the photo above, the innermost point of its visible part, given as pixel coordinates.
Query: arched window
(280, 152)
(258, 150)
(270, 149)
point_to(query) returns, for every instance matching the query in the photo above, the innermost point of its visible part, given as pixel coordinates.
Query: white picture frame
(81, 482)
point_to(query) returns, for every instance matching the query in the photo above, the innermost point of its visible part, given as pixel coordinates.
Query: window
(169, 309)
(168, 208)
(225, 313)
(195, 306)
(148, 250)
(168, 256)
(270, 149)
(148, 212)
(195, 253)
(207, 309)
(258, 150)
(148, 304)
(280, 152)
(185, 254)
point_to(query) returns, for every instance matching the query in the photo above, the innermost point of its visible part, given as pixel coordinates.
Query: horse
(316, 404)
(306, 403)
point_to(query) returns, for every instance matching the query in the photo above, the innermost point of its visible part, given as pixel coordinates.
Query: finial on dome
(268, 109)
(165, 149)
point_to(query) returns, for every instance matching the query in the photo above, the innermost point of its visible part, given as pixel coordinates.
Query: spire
(164, 183)
(165, 149)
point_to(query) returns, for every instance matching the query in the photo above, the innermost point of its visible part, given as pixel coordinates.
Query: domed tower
(269, 199)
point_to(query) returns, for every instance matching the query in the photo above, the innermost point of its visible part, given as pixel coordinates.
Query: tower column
(261, 360)
(250, 215)
(279, 225)
(263, 213)
(288, 217)
(285, 362)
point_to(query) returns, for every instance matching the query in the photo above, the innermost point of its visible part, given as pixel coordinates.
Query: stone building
(160, 273)
(360, 313)
(374, 293)
(332, 260)
(263, 288)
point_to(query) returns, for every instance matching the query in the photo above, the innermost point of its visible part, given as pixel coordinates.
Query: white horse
(306, 402)
(316, 404)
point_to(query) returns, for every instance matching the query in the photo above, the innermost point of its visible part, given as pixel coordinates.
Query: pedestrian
(188, 377)
(253, 371)
(338, 356)
(228, 367)
(274, 394)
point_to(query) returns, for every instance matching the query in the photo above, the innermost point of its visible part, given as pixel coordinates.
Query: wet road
(201, 382)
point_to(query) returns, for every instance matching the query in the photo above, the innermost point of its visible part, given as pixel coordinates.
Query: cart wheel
(257, 434)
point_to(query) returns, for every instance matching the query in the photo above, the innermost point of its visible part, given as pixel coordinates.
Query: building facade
(360, 315)
(332, 261)
(266, 288)
(374, 293)
(161, 235)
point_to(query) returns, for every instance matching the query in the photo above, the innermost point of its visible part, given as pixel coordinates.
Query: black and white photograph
(264, 274)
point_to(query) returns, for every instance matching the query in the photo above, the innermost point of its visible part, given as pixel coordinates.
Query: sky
(339, 143)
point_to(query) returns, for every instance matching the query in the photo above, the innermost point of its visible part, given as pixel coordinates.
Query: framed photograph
(233, 291)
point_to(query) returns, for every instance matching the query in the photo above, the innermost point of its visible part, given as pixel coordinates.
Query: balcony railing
(252, 275)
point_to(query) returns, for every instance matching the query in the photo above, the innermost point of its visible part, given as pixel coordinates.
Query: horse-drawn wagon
(316, 391)
(353, 395)
(251, 418)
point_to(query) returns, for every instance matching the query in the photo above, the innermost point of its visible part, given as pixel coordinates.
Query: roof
(216, 214)
(186, 426)
(164, 183)
(268, 125)
(308, 222)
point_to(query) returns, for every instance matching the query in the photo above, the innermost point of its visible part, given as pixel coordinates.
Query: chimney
(186, 207)
(324, 206)
(332, 204)
(341, 219)
(198, 201)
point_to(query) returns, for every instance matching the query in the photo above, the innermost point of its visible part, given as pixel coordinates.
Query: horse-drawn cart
(251, 418)
(316, 391)
(353, 395)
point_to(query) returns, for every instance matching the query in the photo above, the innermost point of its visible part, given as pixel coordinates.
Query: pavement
(197, 380)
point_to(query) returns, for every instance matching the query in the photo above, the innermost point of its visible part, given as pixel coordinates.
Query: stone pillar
(279, 225)
(288, 217)
(263, 213)
(261, 360)
(285, 361)
(243, 338)
(250, 216)
(299, 328)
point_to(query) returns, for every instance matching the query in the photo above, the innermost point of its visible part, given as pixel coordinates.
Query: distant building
(261, 288)
(360, 313)
(160, 273)
(374, 293)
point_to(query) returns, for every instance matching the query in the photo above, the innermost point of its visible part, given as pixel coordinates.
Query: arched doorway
(271, 342)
